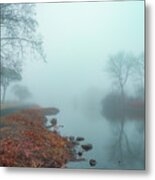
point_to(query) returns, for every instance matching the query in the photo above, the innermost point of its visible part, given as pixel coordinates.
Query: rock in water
(79, 139)
(92, 162)
(80, 153)
(71, 138)
(53, 121)
(87, 147)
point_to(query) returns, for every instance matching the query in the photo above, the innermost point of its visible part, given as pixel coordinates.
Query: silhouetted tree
(21, 92)
(19, 39)
(18, 34)
(120, 67)
(8, 76)
(139, 76)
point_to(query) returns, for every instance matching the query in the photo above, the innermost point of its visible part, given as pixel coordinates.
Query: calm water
(102, 135)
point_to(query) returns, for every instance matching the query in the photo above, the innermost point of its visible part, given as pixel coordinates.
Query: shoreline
(25, 142)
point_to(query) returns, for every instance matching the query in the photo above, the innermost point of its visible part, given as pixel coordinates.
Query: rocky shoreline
(27, 142)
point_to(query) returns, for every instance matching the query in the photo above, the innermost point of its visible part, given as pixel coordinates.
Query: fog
(78, 40)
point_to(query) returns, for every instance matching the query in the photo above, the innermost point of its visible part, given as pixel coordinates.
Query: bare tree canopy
(19, 40)
(117, 106)
(18, 34)
(120, 67)
(139, 69)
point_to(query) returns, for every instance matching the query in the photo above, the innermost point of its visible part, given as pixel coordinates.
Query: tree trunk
(122, 118)
(4, 94)
(120, 141)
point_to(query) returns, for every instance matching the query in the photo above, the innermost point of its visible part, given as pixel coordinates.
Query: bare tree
(8, 76)
(120, 67)
(18, 34)
(19, 39)
(139, 75)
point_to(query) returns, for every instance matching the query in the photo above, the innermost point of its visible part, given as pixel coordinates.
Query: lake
(103, 134)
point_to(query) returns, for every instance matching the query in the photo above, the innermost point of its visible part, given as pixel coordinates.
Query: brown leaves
(26, 143)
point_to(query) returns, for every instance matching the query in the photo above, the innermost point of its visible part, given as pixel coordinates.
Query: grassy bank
(25, 142)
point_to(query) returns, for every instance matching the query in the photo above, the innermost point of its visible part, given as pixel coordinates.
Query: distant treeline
(114, 106)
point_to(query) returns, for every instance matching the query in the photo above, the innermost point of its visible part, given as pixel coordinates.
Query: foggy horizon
(78, 41)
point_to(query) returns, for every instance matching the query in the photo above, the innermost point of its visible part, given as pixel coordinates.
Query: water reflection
(104, 135)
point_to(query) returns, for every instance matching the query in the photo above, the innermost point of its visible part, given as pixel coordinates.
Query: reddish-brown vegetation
(25, 142)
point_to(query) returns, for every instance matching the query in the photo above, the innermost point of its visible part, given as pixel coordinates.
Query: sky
(78, 39)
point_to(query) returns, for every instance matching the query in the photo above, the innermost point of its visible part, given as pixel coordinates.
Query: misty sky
(78, 38)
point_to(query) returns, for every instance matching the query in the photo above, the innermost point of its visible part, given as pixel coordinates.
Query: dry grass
(25, 142)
